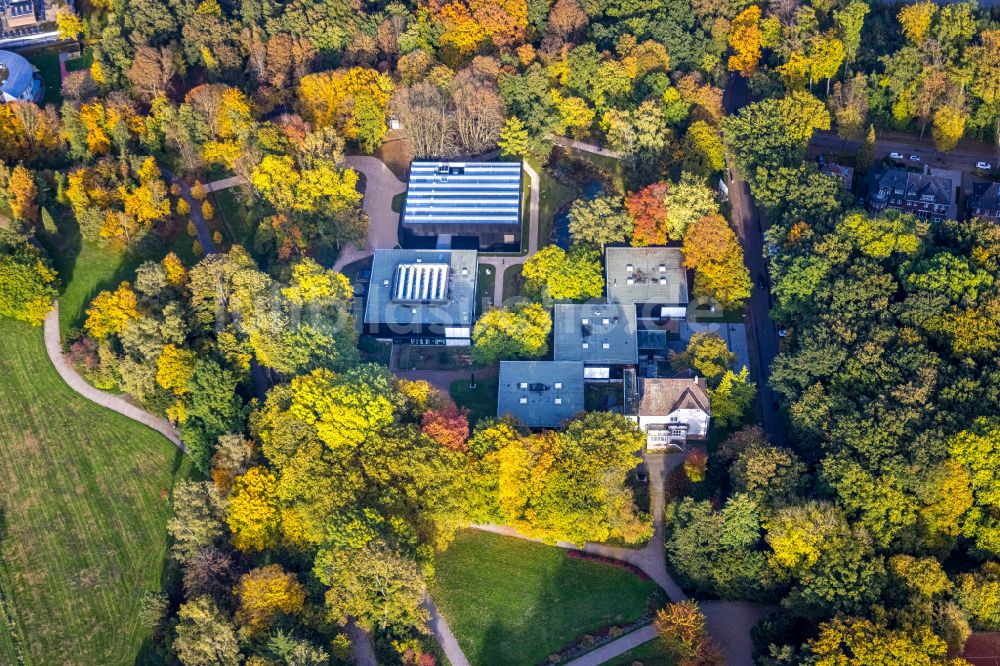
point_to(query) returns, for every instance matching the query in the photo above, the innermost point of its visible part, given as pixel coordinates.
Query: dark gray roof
(595, 333)
(463, 193)
(406, 287)
(985, 197)
(646, 275)
(540, 394)
(19, 74)
(913, 187)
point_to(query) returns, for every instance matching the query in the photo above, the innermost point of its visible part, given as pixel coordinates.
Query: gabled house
(985, 201)
(921, 194)
(671, 412)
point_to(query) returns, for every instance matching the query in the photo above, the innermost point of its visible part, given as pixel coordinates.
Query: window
(605, 321)
(558, 401)
(558, 385)
(586, 345)
(629, 268)
(630, 281)
(663, 268)
(523, 401)
(605, 345)
(523, 385)
(585, 321)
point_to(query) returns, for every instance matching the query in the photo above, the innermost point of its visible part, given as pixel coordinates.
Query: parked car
(641, 475)
(896, 156)
(914, 158)
(761, 283)
(985, 166)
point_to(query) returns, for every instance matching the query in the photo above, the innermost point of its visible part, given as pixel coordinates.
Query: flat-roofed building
(422, 296)
(467, 205)
(540, 394)
(651, 278)
(601, 335)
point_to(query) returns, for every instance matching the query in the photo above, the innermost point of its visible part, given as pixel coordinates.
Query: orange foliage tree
(648, 210)
(448, 426)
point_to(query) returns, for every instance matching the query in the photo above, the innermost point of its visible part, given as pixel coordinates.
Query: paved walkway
(566, 142)
(501, 264)
(445, 638)
(53, 347)
(616, 648)
(381, 185)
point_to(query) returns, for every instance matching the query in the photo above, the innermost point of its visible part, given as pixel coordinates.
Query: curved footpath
(53, 347)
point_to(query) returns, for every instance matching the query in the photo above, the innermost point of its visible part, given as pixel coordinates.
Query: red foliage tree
(448, 426)
(648, 210)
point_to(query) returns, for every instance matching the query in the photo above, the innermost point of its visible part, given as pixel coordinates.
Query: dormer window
(558, 401)
(629, 268)
(630, 281)
(558, 385)
(523, 385)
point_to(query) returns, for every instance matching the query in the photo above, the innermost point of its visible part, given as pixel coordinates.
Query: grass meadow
(84, 501)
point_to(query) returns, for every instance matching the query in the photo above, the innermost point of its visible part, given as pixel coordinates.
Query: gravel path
(53, 347)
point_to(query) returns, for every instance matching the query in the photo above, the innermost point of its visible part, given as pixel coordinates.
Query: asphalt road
(762, 336)
(962, 158)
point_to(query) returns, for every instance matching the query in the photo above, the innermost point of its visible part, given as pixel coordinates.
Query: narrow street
(762, 335)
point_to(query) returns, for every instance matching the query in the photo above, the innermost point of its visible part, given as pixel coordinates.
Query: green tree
(375, 585)
(716, 552)
(520, 331)
(205, 637)
(732, 398)
(860, 641)
(28, 283)
(706, 354)
(198, 520)
(687, 201)
(599, 221)
(552, 272)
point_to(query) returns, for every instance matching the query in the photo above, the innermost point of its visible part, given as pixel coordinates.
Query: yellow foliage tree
(252, 514)
(24, 200)
(916, 20)
(745, 39)
(207, 211)
(176, 273)
(175, 368)
(264, 594)
(354, 101)
(949, 126)
(110, 311)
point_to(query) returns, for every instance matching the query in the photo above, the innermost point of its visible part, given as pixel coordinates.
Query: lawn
(94, 267)
(480, 401)
(84, 501)
(47, 63)
(484, 286)
(512, 282)
(552, 195)
(511, 601)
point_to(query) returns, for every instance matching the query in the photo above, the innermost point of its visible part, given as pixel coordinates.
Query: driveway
(381, 185)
